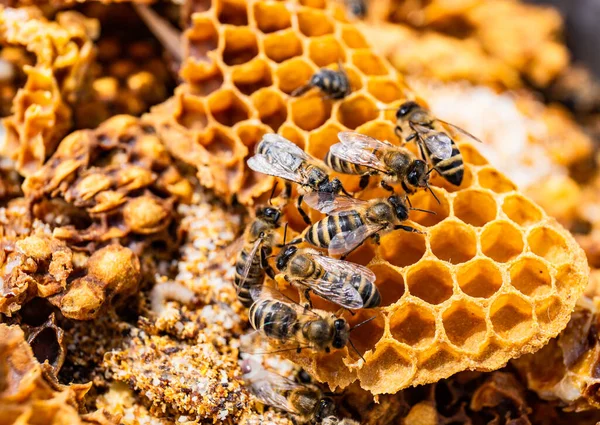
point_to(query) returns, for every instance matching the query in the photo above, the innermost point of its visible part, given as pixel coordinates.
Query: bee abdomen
(452, 169)
(367, 290)
(344, 167)
(272, 317)
(322, 232)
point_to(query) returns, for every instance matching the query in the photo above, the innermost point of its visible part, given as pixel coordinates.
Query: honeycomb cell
(438, 357)
(353, 38)
(369, 63)
(521, 210)
(547, 243)
(453, 241)
(200, 39)
(566, 277)
(366, 336)
(479, 278)
(233, 12)
(387, 364)
(384, 89)
(531, 277)
(431, 281)
(271, 16)
(357, 111)
(511, 317)
(227, 108)
(380, 130)
(271, 107)
(293, 73)
(501, 241)
(250, 134)
(402, 248)
(325, 50)
(389, 282)
(424, 200)
(363, 254)
(240, 45)
(204, 80)
(294, 135)
(310, 112)
(252, 76)
(413, 325)
(547, 310)
(314, 23)
(464, 323)
(193, 113)
(475, 207)
(494, 180)
(320, 141)
(438, 180)
(282, 46)
(471, 155)
(222, 143)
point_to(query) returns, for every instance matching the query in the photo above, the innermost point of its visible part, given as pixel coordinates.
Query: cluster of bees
(348, 223)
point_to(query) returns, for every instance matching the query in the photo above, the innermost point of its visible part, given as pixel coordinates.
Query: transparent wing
(341, 267)
(460, 130)
(329, 203)
(232, 250)
(345, 242)
(265, 391)
(361, 141)
(439, 144)
(275, 142)
(249, 260)
(336, 291)
(262, 164)
(359, 149)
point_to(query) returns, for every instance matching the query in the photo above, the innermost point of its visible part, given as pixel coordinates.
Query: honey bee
(350, 221)
(341, 282)
(365, 156)
(334, 84)
(306, 402)
(277, 156)
(253, 248)
(437, 147)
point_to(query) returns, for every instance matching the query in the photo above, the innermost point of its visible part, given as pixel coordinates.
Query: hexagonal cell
(387, 364)
(389, 282)
(200, 38)
(549, 244)
(384, 89)
(413, 325)
(363, 254)
(369, 63)
(479, 278)
(464, 323)
(436, 358)
(293, 73)
(438, 180)
(453, 241)
(321, 140)
(431, 281)
(492, 179)
(233, 12)
(567, 278)
(252, 76)
(366, 336)
(402, 248)
(203, 78)
(424, 200)
(325, 50)
(240, 45)
(531, 277)
(521, 210)
(475, 207)
(220, 143)
(282, 46)
(271, 16)
(310, 112)
(250, 134)
(314, 23)
(227, 108)
(357, 111)
(193, 113)
(547, 310)
(511, 317)
(379, 129)
(294, 135)
(353, 38)
(501, 241)
(271, 108)
(471, 155)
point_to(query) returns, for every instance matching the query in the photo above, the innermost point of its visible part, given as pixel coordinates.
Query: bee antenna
(422, 210)
(430, 170)
(285, 232)
(354, 348)
(433, 194)
(272, 193)
(364, 322)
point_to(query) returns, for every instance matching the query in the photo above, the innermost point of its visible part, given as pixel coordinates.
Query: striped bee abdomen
(451, 169)
(367, 290)
(273, 318)
(344, 167)
(322, 232)
(255, 277)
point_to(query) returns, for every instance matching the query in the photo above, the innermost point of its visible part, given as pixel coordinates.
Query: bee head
(406, 108)
(326, 408)
(341, 333)
(269, 214)
(417, 174)
(399, 207)
(284, 257)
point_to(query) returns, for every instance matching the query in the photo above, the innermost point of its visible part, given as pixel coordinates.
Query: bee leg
(265, 264)
(305, 216)
(376, 238)
(287, 191)
(364, 181)
(343, 257)
(408, 229)
(328, 350)
(387, 186)
(308, 304)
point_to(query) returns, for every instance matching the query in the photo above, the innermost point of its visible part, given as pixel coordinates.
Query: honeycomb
(493, 278)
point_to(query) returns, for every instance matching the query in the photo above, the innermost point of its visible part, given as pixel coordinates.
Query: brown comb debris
(41, 111)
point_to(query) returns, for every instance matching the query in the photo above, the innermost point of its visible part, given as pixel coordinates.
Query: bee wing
(360, 141)
(278, 143)
(336, 291)
(460, 130)
(249, 260)
(329, 203)
(234, 248)
(439, 144)
(358, 149)
(341, 267)
(266, 391)
(345, 242)
(260, 163)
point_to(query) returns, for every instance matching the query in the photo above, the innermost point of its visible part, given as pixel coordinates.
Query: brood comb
(493, 278)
